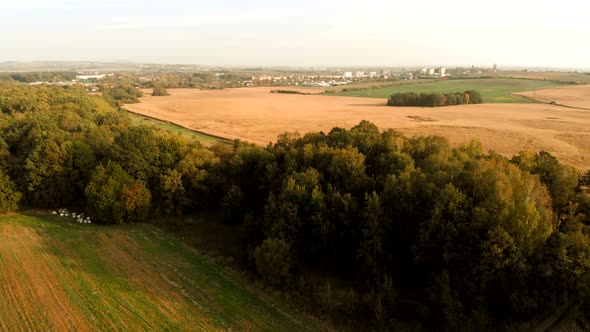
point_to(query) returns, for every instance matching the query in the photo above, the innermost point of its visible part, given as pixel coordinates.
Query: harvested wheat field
(573, 96)
(57, 275)
(256, 115)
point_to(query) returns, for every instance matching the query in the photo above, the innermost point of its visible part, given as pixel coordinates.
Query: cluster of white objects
(79, 217)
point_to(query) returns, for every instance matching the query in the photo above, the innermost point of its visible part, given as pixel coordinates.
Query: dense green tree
(159, 90)
(5, 155)
(201, 178)
(137, 150)
(561, 180)
(371, 245)
(121, 94)
(273, 261)
(568, 265)
(9, 196)
(474, 97)
(115, 197)
(434, 99)
(47, 173)
(451, 99)
(170, 197)
(247, 166)
(233, 204)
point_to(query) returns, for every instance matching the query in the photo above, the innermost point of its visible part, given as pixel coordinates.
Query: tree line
(434, 99)
(406, 232)
(159, 90)
(120, 94)
(174, 80)
(31, 77)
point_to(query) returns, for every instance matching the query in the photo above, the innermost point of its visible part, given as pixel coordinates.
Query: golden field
(256, 115)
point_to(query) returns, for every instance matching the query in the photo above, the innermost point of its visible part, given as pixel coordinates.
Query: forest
(434, 99)
(403, 232)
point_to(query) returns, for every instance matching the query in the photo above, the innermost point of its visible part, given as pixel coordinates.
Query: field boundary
(220, 138)
(516, 94)
(529, 99)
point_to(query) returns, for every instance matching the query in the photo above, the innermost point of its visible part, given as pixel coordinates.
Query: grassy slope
(206, 140)
(496, 90)
(59, 275)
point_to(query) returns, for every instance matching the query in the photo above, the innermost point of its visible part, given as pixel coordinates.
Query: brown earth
(255, 115)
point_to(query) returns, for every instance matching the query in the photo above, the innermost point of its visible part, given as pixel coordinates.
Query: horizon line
(330, 66)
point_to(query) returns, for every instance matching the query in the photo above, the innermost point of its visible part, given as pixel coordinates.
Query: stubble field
(573, 96)
(256, 115)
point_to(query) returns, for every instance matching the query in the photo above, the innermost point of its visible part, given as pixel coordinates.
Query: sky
(299, 33)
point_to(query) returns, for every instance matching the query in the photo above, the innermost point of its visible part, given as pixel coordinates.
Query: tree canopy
(159, 90)
(434, 99)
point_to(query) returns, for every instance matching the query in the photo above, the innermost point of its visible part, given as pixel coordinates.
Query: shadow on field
(206, 231)
(360, 105)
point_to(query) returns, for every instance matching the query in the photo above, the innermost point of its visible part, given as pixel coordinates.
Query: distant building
(423, 71)
(431, 71)
(441, 71)
(495, 67)
(347, 74)
(90, 77)
(372, 74)
(360, 74)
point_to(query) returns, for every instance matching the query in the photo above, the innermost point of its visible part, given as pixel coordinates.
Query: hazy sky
(299, 33)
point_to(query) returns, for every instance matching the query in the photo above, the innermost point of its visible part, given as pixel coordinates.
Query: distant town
(96, 75)
(92, 75)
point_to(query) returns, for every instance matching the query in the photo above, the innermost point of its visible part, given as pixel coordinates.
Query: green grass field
(206, 140)
(58, 275)
(492, 90)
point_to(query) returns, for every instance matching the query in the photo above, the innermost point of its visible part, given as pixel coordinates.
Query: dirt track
(259, 116)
